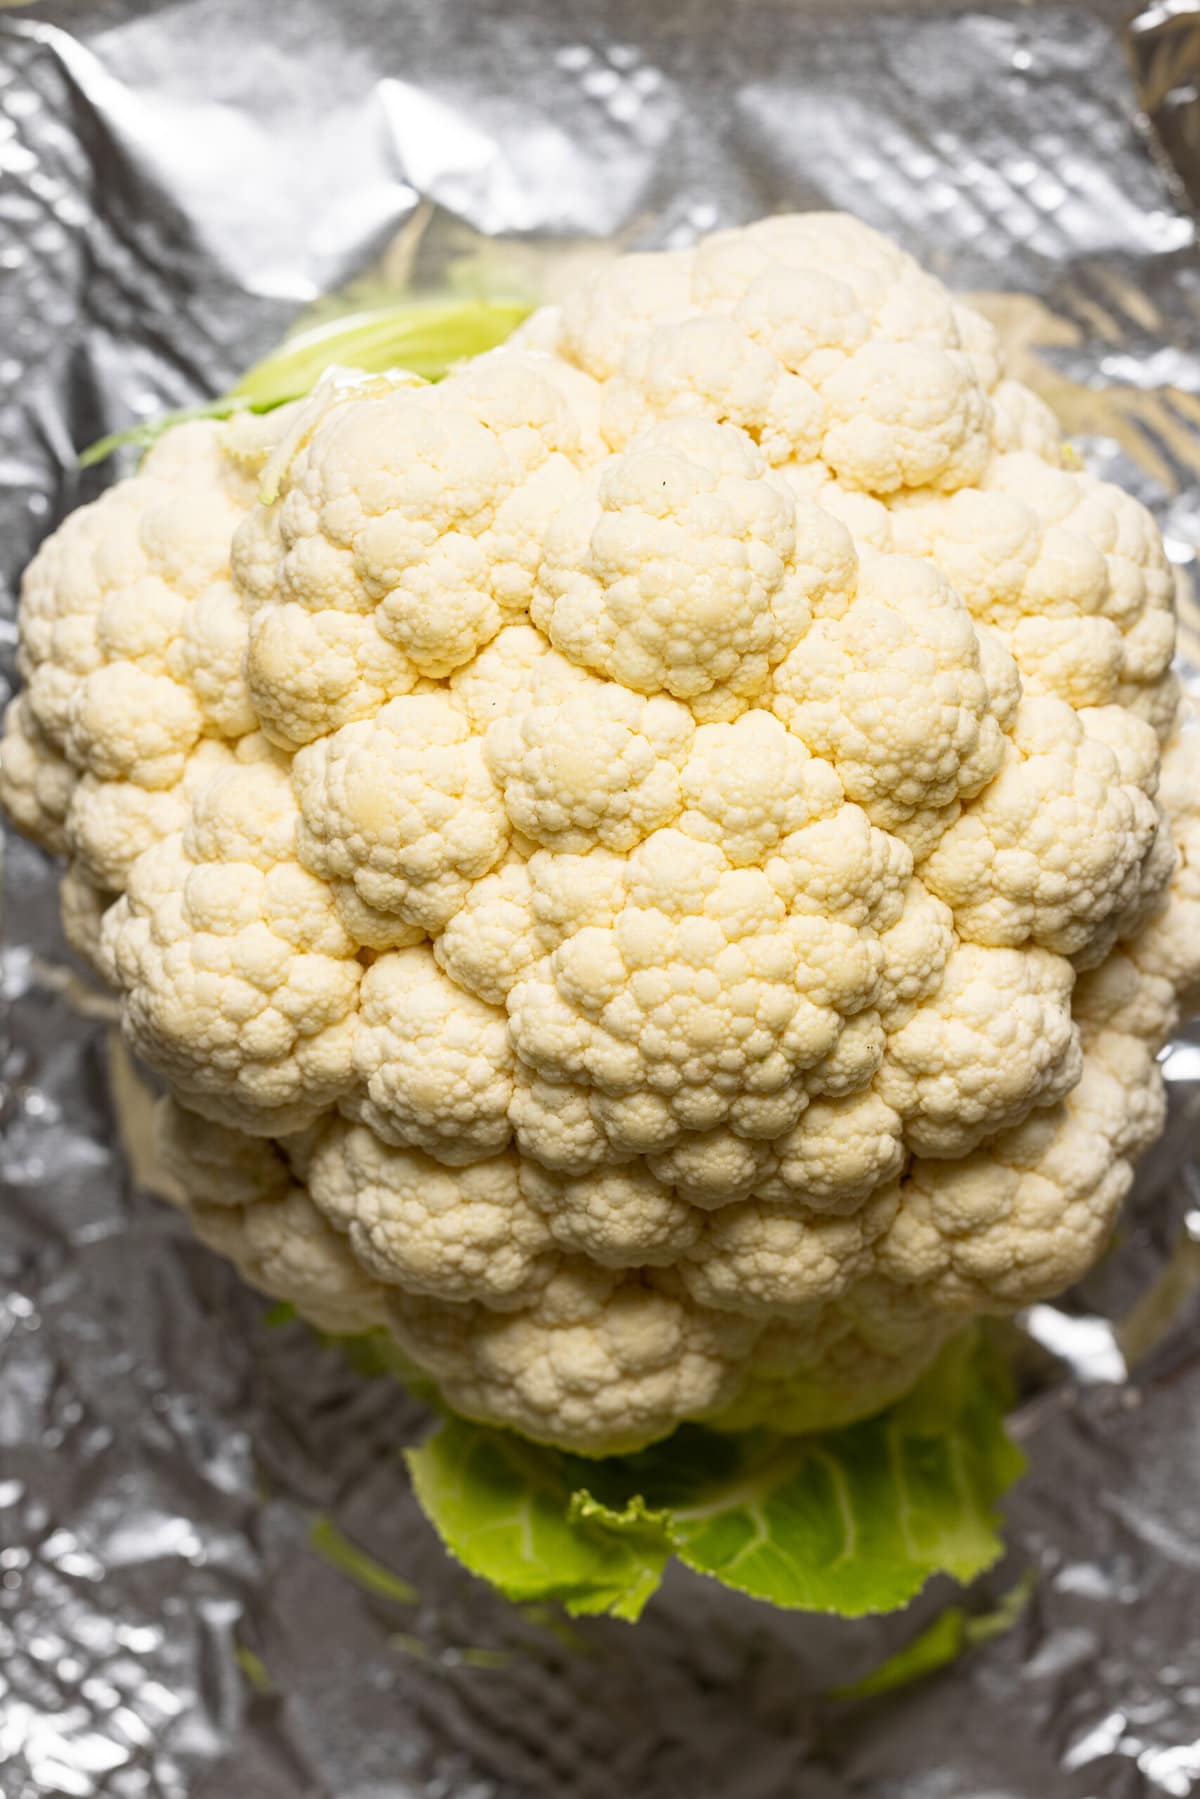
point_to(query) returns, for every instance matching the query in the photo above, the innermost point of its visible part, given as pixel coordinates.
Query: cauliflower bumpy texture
(656, 869)
(132, 651)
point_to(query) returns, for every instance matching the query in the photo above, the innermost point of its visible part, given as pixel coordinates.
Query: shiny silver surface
(177, 180)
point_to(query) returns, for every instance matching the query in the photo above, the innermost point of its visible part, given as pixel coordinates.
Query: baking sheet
(178, 180)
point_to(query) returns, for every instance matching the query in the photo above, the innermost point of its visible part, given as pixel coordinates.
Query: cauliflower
(656, 868)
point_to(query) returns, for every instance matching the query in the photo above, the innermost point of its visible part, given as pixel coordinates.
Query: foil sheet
(178, 179)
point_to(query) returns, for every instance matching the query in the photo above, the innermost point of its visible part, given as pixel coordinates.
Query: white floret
(596, 765)
(285, 1248)
(402, 808)
(997, 1040)
(838, 1154)
(36, 782)
(237, 976)
(408, 531)
(1069, 569)
(1017, 1220)
(1056, 847)
(686, 569)
(894, 692)
(768, 1260)
(456, 1234)
(618, 1217)
(603, 1362)
(435, 1061)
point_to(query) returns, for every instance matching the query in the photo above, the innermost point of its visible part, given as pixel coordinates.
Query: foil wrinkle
(178, 180)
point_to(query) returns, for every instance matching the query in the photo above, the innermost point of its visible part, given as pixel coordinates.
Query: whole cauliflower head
(655, 869)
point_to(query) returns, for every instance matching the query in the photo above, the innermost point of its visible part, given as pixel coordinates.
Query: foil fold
(178, 180)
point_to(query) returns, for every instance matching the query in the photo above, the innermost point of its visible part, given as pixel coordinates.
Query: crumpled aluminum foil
(177, 180)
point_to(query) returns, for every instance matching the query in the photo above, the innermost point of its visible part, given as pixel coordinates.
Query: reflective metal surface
(177, 180)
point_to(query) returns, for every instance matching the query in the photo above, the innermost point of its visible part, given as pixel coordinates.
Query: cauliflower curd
(657, 869)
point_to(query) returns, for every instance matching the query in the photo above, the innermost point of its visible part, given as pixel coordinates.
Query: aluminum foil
(177, 181)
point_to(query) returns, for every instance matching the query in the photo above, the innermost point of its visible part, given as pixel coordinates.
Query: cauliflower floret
(714, 1168)
(915, 949)
(491, 940)
(1029, 1212)
(1070, 570)
(597, 765)
(127, 616)
(82, 906)
(843, 1362)
(838, 1154)
(996, 1040)
(614, 309)
(687, 569)
(842, 868)
(818, 286)
(778, 1261)
(604, 1361)
(749, 785)
(557, 1125)
(710, 368)
(132, 647)
(237, 976)
(402, 808)
(436, 1061)
(36, 782)
(211, 1165)
(1021, 420)
(111, 823)
(901, 371)
(1056, 847)
(698, 989)
(867, 519)
(1156, 971)
(408, 529)
(905, 416)
(1126, 997)
(285, 1248)
(619, 1217)
(503, 680)
(456, 1234)
(894, 693)
(311, 671)
(1170, 945)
